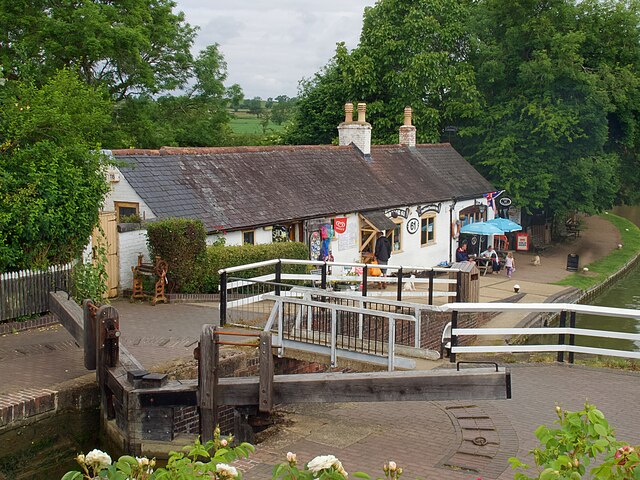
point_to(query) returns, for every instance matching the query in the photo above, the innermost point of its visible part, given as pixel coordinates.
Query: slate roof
(242, 187)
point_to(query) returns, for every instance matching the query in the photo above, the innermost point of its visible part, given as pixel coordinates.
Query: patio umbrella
(482, 228)
(505, 224)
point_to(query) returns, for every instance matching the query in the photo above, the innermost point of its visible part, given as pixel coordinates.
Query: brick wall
(18, 406)
(42, 321)
(433, 323)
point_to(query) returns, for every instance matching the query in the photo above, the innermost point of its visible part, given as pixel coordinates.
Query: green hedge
(219, 257)
(181, 243)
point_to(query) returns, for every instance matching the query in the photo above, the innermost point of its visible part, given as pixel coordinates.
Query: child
(510, 264)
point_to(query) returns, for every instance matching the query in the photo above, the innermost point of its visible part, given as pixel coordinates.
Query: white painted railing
(561, 347)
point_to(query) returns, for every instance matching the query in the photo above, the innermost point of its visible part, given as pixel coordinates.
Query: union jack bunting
(491, 198)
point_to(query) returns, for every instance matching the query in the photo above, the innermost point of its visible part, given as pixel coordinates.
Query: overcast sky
(270, 45)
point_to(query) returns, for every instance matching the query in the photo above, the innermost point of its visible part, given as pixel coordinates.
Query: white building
(419, 195)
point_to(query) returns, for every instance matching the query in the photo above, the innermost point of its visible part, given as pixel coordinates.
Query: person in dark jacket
(382, 253)
(461, 253)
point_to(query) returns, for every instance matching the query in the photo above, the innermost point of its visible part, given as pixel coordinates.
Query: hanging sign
(504, 201)
(432, 207)
(397, 212)
(340, 225)
(413, 225)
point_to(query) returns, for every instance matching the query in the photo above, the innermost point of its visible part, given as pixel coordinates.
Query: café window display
(427, 230)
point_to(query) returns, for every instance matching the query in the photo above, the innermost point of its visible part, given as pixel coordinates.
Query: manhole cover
(480, 441)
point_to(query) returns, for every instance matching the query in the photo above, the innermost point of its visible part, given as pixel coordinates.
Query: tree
(129, 46)
(544, 126)
(235, 96)
(411, 53)
(254, 105)
(51, 179)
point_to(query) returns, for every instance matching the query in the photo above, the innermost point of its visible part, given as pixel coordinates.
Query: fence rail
(26, 292)
(407, 281)
(566, 335)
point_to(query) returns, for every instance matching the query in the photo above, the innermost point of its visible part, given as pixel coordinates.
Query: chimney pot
(407, 131)
(407, 116)
(362, 110)
(348, 112)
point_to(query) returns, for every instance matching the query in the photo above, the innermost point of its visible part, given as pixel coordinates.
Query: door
(109, 225)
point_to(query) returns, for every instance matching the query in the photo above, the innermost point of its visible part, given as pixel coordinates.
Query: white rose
(142, 461)
(291, 457)
(226, 471)
(321, 462)
(98, 459)
(392, 466)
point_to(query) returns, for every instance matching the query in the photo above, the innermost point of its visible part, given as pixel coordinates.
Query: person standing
(510, 264)
(382, 254)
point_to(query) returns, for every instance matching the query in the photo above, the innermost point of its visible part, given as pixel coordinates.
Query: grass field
(610, 264)
(244, 122)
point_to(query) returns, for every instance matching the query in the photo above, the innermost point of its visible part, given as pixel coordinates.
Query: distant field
(243, 122)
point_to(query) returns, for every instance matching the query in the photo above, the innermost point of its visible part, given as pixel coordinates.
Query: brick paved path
(435, 440)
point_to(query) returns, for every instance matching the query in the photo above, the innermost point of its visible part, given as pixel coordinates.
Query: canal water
(625, 293)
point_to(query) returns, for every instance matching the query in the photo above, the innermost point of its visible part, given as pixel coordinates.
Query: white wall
(235, 238)
(122, 191)
(131, 245)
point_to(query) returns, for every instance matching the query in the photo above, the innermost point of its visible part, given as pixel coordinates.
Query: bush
(219, 257)
(181, 243)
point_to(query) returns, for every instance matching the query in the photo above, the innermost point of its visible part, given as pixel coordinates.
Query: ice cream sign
(340, 225)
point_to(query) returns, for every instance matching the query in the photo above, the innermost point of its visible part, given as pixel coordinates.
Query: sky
(270, 45)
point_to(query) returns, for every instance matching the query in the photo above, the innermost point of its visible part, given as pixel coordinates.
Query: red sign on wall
(340, 224)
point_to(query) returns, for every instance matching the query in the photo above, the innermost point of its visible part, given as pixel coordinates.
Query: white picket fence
(26, 292)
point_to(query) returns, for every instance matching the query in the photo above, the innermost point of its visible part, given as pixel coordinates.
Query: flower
(224, 442)
(392, 466)
(325, 462)
(226, 471)
(97, 459)
(80, 459)
(292, 458)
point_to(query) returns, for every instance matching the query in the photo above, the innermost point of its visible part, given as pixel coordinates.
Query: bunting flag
(491, 198)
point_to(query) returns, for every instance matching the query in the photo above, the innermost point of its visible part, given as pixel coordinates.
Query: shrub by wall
(219, 257)
(181, 243)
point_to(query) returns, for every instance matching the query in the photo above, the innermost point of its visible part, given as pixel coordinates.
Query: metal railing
(408, 281)
(340, 325)
(566, 342)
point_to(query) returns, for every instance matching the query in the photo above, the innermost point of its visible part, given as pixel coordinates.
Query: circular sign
(474, 240)
(504, 201)
(413, 225)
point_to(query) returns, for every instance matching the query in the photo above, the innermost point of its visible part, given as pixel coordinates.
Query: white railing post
(392, 342)
(334, 335)
(280, 328)
(418, 328)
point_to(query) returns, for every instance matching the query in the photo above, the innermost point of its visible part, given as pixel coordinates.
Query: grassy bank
(601, 269)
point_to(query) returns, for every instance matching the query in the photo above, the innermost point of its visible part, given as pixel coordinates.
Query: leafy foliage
(89, 280)
(51, 180)
(130, 46)
(410, 53)
(181, 243)
(582, 438)
(219, 257)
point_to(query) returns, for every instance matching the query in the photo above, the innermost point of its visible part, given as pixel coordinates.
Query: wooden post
(399, 286)
(563, 322)
(207, 382)
(572, 337)
(323, 281)
(89, 321)
(458, 286)
(365, 280)
(107, 353)
(266, 373)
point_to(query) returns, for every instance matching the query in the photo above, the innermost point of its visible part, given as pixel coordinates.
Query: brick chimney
(358, 133)
(407, 131)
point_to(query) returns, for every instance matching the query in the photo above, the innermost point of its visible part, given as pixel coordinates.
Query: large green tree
(543, 132)
(129, 46)
(51, 179)
(411, 53)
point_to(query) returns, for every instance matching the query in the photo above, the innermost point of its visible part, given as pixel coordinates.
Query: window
(395, 237)
(427, 230)
(126, 209)
(249, 237)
